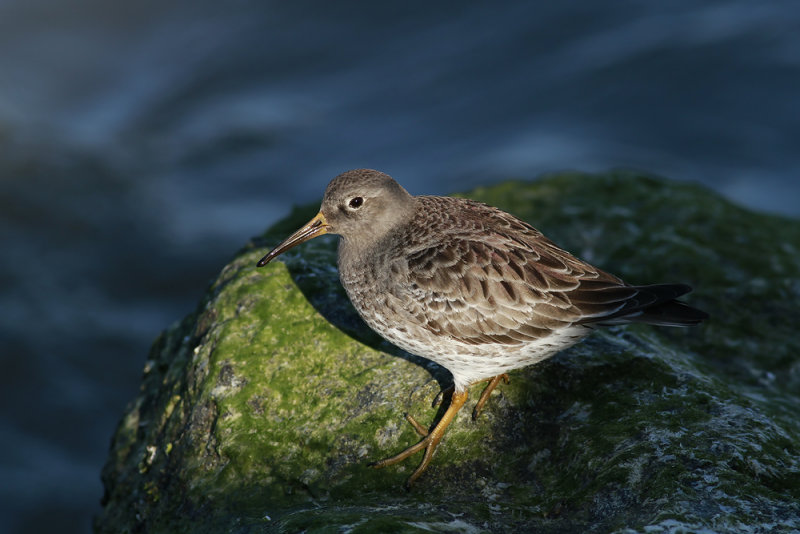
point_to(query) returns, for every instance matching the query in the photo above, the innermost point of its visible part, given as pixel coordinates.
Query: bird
(469, 287)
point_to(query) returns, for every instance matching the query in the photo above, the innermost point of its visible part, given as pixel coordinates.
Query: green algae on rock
(262, 410)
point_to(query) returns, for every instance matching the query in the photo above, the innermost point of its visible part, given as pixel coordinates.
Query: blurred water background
(143, 143)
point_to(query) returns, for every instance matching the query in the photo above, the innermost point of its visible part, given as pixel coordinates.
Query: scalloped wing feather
(498, 280)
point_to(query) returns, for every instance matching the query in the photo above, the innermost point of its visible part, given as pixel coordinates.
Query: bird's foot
(429, 441)
(421, 430)
(488, 391)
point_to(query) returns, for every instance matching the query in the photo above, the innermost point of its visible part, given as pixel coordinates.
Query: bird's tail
(657, 305)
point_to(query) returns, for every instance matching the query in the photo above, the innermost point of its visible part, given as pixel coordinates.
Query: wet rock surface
(262, 409)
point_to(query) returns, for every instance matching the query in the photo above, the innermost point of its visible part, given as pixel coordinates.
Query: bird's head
(361, 205)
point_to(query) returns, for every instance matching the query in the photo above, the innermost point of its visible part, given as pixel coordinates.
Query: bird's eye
(355, 202)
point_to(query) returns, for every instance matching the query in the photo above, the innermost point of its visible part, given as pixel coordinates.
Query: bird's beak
(316, 226)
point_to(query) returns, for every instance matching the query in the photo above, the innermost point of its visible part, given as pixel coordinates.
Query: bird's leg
(430, 440)
(486, 392)
(492, 383)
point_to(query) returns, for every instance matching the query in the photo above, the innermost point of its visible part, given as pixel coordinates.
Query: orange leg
(430, 440)
(493, 382)
(486, 392)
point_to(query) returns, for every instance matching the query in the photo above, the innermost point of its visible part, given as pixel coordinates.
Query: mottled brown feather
(482, 276)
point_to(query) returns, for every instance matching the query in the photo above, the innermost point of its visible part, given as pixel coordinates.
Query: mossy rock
(262, 410)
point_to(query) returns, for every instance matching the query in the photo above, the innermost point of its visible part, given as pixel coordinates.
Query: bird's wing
(505, 288)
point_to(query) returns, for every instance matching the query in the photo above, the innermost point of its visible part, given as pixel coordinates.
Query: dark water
(141, 144)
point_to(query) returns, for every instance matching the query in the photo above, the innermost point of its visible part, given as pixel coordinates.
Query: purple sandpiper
(469, 286)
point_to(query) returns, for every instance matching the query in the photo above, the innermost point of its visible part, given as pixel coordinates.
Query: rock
(263, 408)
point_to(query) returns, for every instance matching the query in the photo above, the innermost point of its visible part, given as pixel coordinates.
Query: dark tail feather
(670, 313)
(656, 305)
